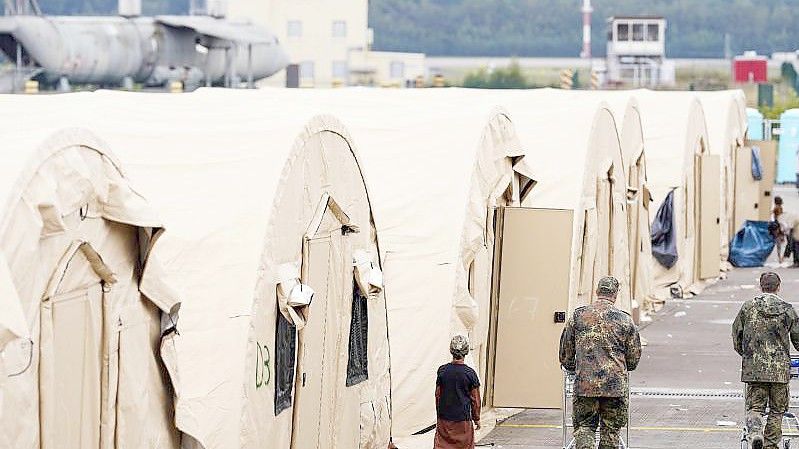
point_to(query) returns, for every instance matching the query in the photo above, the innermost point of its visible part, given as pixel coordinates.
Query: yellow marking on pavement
(639, 428)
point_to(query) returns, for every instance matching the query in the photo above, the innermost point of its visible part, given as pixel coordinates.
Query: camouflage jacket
(600, 343)
(762, 334)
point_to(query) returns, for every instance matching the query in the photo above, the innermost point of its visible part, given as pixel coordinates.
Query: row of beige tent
(285, 268)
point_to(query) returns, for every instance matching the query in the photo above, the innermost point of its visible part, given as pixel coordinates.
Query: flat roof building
(329, 43)
(636, 52)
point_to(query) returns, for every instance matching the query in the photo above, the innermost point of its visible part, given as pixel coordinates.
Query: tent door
(317, 376)
(533, 298)
(75, 321)
(326, 258)
(747, 190)
(72, 368)
(768, 159)
(309, 400)
(709, 216)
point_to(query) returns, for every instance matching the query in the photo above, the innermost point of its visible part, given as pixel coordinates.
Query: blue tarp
(663, 234)
(757, 165)
(751, 245)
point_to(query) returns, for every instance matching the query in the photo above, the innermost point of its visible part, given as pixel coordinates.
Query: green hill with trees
(553, 27)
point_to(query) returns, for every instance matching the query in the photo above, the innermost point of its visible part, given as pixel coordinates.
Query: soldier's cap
(459, 346)
(608, 286)
(770, 281)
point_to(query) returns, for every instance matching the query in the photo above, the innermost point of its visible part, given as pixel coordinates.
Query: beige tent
(679, 160)
(725, 113)
(548, 254)
(628, 121)
(577, 216)
(438, 174)
(725, 116)
(81, 299)
(258, 200)
(631, 135)
(575, 203)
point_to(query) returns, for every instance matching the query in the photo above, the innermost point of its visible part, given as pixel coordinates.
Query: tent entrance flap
(76, 378)
(709, 216)
(531, 306)
(72, 323)
(311, 368)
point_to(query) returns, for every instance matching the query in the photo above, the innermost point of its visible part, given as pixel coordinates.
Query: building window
(307, 70)
(623, 32)
(358, 357)
(339, 28)
(397, 69)
(638, 32)
(285, 361)
(294, 28)
(627, 74)
(652, 32)
(340, 70)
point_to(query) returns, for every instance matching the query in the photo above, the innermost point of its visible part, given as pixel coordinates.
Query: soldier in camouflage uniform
(600, 344)
(762, 333)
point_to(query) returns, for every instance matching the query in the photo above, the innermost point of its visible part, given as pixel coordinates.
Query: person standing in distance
(600, 344)
(762, 335)
(457, 400)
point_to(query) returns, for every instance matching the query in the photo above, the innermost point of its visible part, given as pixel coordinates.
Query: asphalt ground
(686, 392)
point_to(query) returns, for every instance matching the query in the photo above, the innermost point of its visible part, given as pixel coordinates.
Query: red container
(749, 69)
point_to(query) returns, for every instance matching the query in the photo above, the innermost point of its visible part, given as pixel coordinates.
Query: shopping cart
(568, 393)
(790, 420)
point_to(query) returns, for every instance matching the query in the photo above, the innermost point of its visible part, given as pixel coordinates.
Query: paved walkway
(686, 392)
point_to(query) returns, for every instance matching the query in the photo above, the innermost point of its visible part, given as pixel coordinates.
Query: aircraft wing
(221, 29)
(8, 24)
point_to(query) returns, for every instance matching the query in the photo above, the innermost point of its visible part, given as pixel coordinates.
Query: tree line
(696, 28)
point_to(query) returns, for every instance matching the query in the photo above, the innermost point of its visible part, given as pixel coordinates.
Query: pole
(587, 10)
(227, 66)
(250, 83)
(17, 69)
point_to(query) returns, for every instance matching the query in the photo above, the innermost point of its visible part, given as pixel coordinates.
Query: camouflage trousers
(759, 396)
(609, 414)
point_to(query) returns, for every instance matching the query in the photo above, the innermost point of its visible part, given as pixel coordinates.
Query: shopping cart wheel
(786, 444)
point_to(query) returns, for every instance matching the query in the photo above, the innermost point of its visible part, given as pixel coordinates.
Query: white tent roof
(670, 143)
(725, 113)
(628, 121)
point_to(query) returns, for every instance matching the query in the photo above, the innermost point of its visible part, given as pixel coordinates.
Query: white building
(329, 41)
(636, 52)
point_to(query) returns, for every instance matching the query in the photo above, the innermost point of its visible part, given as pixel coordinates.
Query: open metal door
(533, 297)
(709, 219)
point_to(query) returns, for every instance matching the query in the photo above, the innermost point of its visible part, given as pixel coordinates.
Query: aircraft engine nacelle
(87, 50)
